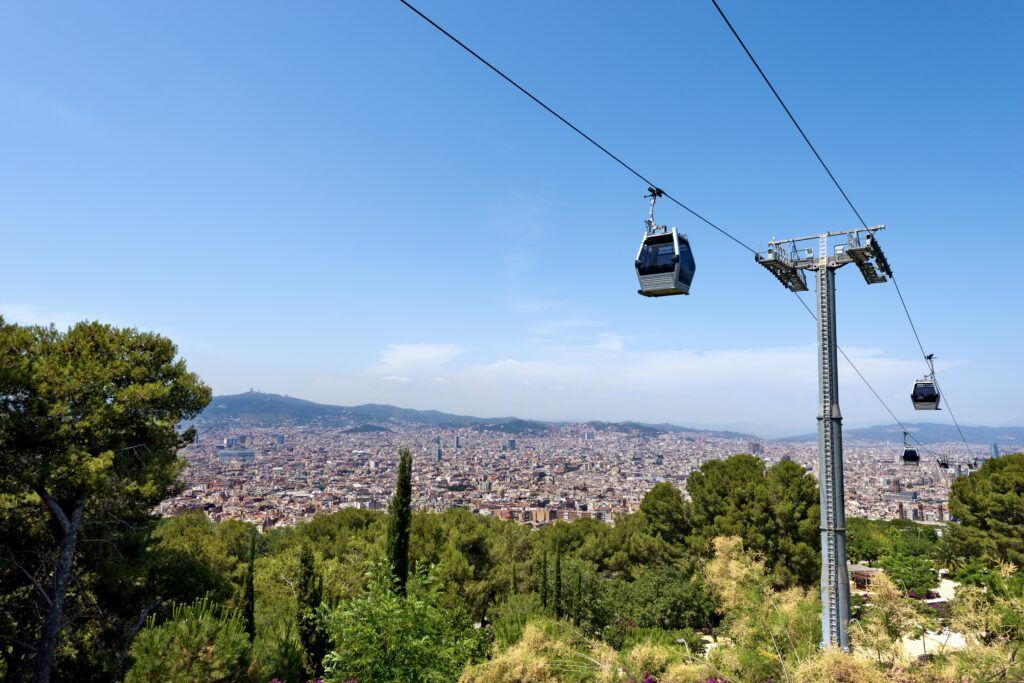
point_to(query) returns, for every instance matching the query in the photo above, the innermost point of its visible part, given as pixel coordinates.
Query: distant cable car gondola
(925, 394)
(664, 264)
(911, 458)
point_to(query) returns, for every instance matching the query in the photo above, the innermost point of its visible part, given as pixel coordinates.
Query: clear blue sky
(330, 200)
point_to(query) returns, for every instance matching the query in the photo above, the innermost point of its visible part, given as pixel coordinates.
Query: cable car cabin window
(657, 258)
(924, 392)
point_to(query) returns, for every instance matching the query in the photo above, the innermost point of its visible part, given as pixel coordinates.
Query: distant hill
(254, 407)
(257, 409)
(931, 432)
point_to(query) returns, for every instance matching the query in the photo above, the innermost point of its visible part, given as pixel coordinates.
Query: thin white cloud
(59, 111)
(32, 315)
(606, 379)
(607, 341)
(405, 360)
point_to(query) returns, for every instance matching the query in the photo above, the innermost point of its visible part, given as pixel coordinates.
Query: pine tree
(544, 580)
(249, 594)
(399, 522)
(311, 631)
(558, 581)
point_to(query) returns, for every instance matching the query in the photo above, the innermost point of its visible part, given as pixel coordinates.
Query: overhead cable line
(839, 187)
(788, 113)
(862, 377)
(644, 178)
(576, 129)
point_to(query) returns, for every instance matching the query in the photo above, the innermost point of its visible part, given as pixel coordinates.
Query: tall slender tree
(89, 429)
(249, 593)
(312, 633)
(558, 581)
(400, 521)
(577, 603)
(515, 587)
(544, 579)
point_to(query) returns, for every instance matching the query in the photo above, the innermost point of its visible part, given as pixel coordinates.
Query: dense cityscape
(279, 476)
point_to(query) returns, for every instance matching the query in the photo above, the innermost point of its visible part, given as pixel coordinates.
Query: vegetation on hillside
(717, 584)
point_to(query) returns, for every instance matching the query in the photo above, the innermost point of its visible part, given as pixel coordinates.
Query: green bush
(199, 643)
(385, 637)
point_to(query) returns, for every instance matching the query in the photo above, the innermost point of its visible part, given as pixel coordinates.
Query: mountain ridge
(256, 408)
(928, 433)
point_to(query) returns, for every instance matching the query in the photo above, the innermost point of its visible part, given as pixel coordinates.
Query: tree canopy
(988, 509)
(774, 510)
(88, 437)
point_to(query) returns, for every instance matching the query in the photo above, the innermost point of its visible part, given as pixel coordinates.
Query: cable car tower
(787, 260)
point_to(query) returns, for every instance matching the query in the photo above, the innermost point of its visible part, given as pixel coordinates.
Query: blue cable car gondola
(925, 394)
(911, 458)
(664, 263)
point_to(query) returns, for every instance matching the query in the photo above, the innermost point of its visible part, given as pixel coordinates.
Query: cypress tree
(249, 594)
(578, 600)
(544, 580)
(311, 632)
(399, 521)
(515, 587)
(558, 581)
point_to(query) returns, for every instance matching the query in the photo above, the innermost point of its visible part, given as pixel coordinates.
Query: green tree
(774, 511)
(667, 598)
(199, 643)
(913, 574)
(311, 629)
(558, 582)
(88, 427)
(577, 599)
(399, 521)
(989, 508)
(510, 616)
(385, 637)
(666, 513)
(249, 593)
(544, 579)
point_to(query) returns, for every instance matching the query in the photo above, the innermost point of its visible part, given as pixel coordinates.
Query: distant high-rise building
(279, 438)
(458, 442)
(995, 450)
(231, 441)
(438, 454)
(510, 445)
(243, 455)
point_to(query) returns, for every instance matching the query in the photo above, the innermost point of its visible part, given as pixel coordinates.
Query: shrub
(198, 643)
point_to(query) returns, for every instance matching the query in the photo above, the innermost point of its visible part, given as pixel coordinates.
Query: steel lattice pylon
(787, 262)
